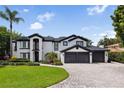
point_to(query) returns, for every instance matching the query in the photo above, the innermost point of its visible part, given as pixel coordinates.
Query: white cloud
(36, 26)
(94, 34)
(86, 28)
(25, 10)
(96, 9)
(45, 17)
(109, 33)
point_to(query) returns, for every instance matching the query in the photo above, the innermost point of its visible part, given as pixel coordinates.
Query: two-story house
(71, 49)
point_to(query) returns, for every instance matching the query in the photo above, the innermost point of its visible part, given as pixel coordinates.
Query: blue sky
(92, 22)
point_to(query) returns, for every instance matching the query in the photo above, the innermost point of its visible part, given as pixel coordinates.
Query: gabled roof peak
(35, 34)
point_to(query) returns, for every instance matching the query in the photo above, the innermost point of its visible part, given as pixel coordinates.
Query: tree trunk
(11, 39)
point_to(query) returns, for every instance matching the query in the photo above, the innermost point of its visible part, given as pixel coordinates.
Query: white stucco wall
(40, 47)
(106, 56)
(19, 50)
(62, 57)
(77, 50)
(90, 55)
(47, 47)
(70, 43)
(73, 42)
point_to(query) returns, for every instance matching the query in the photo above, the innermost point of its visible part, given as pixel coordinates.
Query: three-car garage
(78, 54)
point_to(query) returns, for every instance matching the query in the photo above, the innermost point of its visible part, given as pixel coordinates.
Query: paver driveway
(93, 75)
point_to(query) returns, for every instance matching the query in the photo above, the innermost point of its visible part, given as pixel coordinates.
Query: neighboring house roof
(114, 45)
(49, 38)
(90, 48)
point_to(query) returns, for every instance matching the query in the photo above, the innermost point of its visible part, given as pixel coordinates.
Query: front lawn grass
(30, 76)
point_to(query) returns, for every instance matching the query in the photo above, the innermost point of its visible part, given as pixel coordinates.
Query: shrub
(19, 60)
(44, 62)
(33, 64)
(4, 57)
(117, 56)
(4, 63)
(57, 62)
(50, 57)
(13, 58)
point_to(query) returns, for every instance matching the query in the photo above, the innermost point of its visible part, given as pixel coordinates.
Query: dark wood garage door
(98, 56)
(76, 57)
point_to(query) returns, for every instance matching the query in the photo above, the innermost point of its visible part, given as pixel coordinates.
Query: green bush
(3, 63)
(19, 60)
(33, 64)
(45, 62)
(50, 57)
(57, 62)
(117, 56)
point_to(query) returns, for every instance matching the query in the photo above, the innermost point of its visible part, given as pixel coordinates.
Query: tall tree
(108, 41)
(118, 22)
(11, 17)
(5, 40)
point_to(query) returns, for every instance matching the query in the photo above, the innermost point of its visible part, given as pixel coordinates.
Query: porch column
(31, 48)
(106, 56)
(62, 57)
(90, 57)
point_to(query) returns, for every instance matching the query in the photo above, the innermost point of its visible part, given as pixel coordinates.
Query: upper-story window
(65, 43)
(56, 47)
(24, 44)
(79, 43)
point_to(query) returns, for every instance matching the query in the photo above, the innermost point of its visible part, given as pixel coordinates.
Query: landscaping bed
(117, 56)
(30, 76)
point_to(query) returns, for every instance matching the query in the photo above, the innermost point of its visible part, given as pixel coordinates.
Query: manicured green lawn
(30, 76)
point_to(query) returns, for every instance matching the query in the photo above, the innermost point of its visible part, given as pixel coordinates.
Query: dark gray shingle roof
(95, 48)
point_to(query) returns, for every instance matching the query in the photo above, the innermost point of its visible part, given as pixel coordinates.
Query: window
(25, 55)
(55, 46)
(79, 43)
(65, 43)
(24, 44)
(15, 49)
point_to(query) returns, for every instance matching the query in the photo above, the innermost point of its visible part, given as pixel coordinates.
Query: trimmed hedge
(117, 56)
(19, 60)
(55, 62)
(19, 63)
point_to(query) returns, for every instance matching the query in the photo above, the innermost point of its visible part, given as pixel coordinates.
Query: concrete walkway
(93, 75)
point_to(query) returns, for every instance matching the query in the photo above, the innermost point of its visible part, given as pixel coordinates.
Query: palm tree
(11, 17)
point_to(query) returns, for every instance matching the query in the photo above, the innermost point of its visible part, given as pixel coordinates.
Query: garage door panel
(76, 57)
(83, 57)
(70, 57)
(98, 56)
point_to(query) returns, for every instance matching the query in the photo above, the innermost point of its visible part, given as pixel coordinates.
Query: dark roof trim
(36, 34)
(94, 48)
(68, 37)
(77, 46)
(78, 37)
(90, 49)
(23, 40)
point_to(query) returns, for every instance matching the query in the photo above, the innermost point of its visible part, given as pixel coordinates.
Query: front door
(36, 56)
